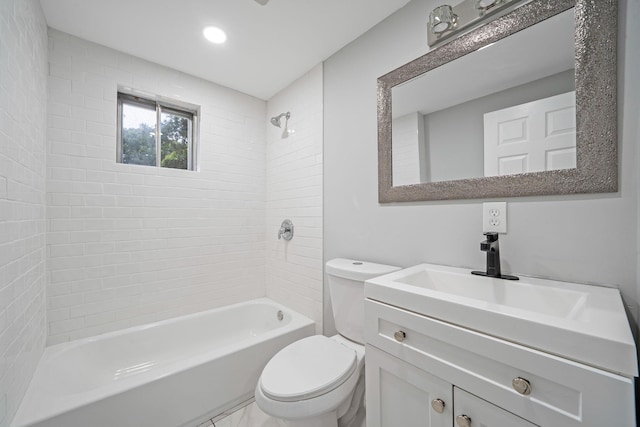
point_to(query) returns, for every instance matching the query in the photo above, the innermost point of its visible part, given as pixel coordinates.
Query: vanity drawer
(563, 392)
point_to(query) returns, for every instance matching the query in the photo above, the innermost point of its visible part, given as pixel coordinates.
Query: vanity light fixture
(485, 4)
(446, 21)
(442, 19)
(214, 35)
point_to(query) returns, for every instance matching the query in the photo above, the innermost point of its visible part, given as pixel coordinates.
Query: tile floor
(246, 416)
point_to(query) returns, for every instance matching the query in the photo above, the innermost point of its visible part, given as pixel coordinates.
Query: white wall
(630, 101)
(408, 156)
(584, 238)
(294, 191)
(23, 100)
(131, 244)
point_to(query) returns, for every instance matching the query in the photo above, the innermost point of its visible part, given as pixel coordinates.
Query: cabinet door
(482, 413)
(399, 394)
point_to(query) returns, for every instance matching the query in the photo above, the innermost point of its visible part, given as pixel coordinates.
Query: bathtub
(178, 372)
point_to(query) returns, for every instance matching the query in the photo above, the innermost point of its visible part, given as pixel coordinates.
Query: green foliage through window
(139, 124)
(174, 137)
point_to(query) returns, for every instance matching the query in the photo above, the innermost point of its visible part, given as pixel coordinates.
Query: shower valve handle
(286, 230)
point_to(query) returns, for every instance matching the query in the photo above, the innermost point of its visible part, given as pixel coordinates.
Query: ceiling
(267, 48)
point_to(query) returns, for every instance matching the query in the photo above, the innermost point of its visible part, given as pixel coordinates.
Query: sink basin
(584, 323)
(521, 295)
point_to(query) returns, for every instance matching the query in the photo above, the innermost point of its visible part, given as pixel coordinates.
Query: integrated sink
(584, 323)
(521, 295)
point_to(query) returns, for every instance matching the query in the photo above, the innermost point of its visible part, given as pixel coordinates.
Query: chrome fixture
(400, 336)
(521, 385)
(446, 20)
(262, 2)
(486, 4)
(286, 230)
(492, 247)
(438, 405)
(276, 120)
(442, 19)
(280, 315)
(463, 421)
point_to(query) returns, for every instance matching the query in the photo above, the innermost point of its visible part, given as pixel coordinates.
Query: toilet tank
(346, 287)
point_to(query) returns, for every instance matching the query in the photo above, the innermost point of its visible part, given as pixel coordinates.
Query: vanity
(445, 348)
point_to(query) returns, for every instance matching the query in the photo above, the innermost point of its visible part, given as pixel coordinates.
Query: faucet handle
(492, 236)
(286, 230)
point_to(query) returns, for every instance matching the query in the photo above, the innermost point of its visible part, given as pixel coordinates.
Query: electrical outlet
(494, 217)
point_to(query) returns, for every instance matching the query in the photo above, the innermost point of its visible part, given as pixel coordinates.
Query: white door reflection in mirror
(532, 137)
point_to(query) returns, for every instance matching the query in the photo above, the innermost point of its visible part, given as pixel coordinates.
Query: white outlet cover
(494, 217)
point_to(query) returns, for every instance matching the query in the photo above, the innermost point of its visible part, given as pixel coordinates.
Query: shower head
(276, 120)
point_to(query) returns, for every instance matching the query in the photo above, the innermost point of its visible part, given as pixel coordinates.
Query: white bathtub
(178, 372)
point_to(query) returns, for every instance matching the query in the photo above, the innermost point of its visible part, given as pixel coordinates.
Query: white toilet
(319, 381)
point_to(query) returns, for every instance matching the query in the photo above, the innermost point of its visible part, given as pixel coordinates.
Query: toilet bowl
(318, 381)
(310, 378)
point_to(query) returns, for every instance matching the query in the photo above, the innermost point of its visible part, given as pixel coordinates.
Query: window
(155, 133)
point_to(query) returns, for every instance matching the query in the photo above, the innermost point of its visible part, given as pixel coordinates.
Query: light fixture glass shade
(441, 19)
(484, 4)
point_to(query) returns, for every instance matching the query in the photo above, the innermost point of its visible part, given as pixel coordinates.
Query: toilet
(318, 381)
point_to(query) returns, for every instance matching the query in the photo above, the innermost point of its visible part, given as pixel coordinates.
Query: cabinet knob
(521, 385)
(463, 421)
(438, 405)
(400, 336)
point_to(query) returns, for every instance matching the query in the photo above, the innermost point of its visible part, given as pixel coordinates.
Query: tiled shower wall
(132, 244)
(23, 100)
(294, 191)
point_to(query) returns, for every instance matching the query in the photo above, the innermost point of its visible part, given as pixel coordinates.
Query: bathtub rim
(69, 402)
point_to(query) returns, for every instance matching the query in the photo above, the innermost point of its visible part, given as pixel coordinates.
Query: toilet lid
(307, 368)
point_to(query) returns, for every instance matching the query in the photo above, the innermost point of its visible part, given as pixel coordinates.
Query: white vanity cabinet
(415, 360)
(400, 394)
(472, 411)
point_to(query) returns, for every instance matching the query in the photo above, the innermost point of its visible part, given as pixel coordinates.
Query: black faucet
(492, 247)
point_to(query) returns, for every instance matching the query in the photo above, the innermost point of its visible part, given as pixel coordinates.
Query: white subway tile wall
(23, 101)
(294, 191)
(132, 244)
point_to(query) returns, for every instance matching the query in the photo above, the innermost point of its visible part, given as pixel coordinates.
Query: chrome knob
(400, 336)
(438, 405)
(521, 385)
(463, 421)
(286, 230)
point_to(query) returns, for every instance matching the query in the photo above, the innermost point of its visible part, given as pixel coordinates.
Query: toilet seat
(307, 368)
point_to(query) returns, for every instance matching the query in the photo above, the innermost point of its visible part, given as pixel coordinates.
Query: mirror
(490, 118)
(524, 105)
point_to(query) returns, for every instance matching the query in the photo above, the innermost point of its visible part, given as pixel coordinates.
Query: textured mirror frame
(596, 108)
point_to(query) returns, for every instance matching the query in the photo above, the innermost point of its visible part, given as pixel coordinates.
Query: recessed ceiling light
(214, 35)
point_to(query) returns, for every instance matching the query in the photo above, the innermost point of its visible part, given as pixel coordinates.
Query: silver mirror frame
(596, 108)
